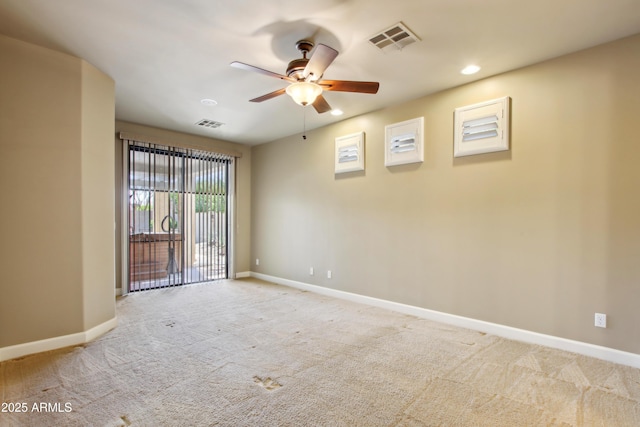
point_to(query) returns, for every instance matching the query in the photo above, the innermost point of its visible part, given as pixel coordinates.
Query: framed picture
(350, 153)
(404, 142)
(481, 128)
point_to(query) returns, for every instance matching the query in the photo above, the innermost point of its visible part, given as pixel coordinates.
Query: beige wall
(539, 238)
(177, 139)
(97, 157)
(52, 135)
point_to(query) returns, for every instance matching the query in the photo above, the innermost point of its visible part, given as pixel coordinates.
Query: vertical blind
(178, 215)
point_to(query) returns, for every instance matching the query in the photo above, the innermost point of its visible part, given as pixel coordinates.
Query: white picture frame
(404, 142)
(481, 128)
(349, 153)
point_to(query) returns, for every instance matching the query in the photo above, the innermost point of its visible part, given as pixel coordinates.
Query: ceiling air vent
(394, 38)
(209, 123)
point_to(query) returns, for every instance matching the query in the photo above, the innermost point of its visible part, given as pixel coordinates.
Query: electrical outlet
(257, 261)
(311, 271)
(329, 274)
(601, 320)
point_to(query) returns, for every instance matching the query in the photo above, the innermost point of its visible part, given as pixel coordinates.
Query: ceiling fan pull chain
(304, 123)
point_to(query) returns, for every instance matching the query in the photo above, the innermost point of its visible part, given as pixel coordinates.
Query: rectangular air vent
(209, 123)
(395, 37)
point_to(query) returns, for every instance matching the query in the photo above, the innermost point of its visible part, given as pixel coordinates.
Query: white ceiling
(165, 56)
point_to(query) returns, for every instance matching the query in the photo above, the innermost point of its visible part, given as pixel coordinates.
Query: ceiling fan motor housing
(297, 66)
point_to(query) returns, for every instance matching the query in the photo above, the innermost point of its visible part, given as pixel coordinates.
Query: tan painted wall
(98, 219)
(47, 167)
(539, 238)
(177, 139)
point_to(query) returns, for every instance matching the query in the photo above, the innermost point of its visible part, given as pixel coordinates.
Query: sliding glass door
(178, 216)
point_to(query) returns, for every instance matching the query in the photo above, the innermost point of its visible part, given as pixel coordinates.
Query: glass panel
(177, 216)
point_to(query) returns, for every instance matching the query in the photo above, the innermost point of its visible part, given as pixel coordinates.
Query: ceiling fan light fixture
(304, 93)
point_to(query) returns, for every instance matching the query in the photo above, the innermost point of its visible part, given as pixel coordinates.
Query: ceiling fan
(305, 77)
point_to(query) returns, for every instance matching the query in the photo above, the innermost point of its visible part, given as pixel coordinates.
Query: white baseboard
(100, 330)
(586, 349)
(118, 292)
(55, 343)
(243, 274)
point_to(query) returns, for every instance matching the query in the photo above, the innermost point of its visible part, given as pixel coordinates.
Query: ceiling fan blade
(349, 86)
(269, 95)
(248, 67)
(321, 58)
(321, 105)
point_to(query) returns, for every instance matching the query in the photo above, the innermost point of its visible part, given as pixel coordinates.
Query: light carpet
(250, 353)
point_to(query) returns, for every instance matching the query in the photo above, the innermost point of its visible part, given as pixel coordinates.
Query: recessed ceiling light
(208, 102)
(470, 69)
(336, 112)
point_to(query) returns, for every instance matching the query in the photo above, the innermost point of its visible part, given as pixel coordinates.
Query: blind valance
(160, 141)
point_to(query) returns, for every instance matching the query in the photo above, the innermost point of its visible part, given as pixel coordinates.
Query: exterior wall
(538, 238)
